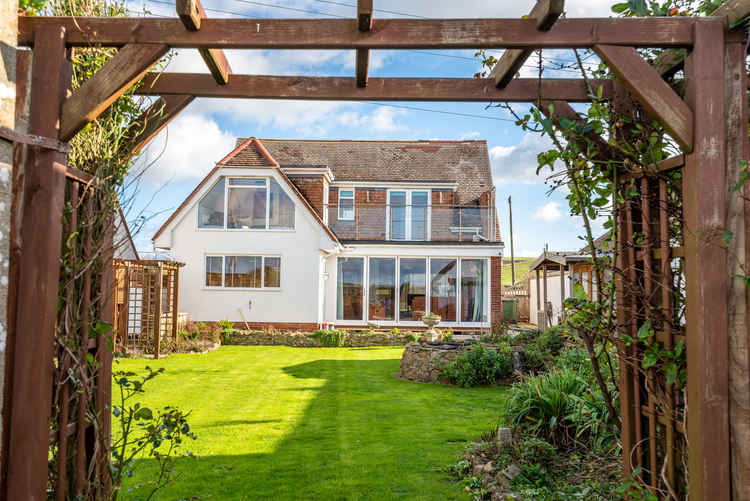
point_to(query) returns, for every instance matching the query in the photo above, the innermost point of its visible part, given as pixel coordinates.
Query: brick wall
(496, 290)
(312, 188)
(371, 213)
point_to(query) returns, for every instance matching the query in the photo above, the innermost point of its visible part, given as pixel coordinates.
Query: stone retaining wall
(303, 340)
(422, 362)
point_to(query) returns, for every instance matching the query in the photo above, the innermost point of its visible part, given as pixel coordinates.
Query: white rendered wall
(297, 300)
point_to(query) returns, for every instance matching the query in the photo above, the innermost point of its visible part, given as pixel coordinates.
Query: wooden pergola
(709, 124)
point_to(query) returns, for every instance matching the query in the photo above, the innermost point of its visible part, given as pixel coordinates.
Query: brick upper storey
(465, 163)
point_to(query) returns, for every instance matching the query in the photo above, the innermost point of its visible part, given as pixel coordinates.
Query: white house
(299, 233)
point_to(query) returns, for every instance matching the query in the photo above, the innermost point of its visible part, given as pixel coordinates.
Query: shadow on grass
(365, 435)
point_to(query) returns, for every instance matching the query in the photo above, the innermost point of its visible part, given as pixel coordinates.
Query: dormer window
(246, 203)
(346, 205)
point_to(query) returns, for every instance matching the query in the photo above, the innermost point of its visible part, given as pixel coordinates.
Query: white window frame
(408, 213)
(352, 198)
(224, 257)
(267, 187)
(365, 287)
(428, 292)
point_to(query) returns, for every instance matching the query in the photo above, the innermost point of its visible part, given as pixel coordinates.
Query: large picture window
(246, 203)
(211, 207)
(382, 301)
(403, 289)
(472, 290)
(412, 289)
(350, 292)
(443, 273)
(243, 272)
(280, 207)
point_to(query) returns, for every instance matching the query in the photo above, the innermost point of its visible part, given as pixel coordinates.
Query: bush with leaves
(479, 366)
(561, 407)
(227, 329)
(331, 337)
(141, 431)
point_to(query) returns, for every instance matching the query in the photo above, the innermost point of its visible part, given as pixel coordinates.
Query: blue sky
(206, 130)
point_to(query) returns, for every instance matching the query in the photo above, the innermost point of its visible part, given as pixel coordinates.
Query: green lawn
(522, 269)
(283, 423)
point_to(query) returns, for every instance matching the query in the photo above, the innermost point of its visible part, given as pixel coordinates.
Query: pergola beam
(153, 120)
(191, 13)
(545, 12)
(239, 33)
(653, 93)
(670, 62)
(106, 85)
(364, 21)
(378, 89)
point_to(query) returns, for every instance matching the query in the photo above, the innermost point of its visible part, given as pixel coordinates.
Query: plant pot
(431, 335)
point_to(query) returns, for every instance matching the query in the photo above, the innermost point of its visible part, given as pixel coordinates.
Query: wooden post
(705, 197)
(512, 253)
(738, 220)
(175, 303)
(544, 274)
(157, 310)
(39, 272)
(562, 292)
(538, 299)
(122, 325)
(104, 355)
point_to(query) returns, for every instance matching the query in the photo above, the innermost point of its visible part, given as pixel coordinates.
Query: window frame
(408, 205)
(486, 294)
(228, 186)
(351, 197)
(224, 257)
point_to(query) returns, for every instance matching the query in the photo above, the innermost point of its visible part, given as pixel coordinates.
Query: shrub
(479, 366)
(330, 337)
(447, 335)
(227, 328)
(536, 450)
(560, 407)
(396, 331)
(414, 337)
(551, 340)
(577, 360)
(532, 358)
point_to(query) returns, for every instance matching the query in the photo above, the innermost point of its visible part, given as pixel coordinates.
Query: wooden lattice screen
(80, 425)
(651, 288)
(146, 304)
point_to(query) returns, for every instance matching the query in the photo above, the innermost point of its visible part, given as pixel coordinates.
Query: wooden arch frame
(712, 147)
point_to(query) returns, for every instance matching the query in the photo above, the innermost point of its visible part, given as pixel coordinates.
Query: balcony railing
(412, 223)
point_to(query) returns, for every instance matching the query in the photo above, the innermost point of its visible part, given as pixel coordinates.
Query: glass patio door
(408, 215)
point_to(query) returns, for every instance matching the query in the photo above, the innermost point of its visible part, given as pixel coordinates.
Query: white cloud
(519, 163)
(187, 149)
(549, 212)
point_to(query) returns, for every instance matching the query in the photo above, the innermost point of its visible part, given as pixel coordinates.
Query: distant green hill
(522, 269)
